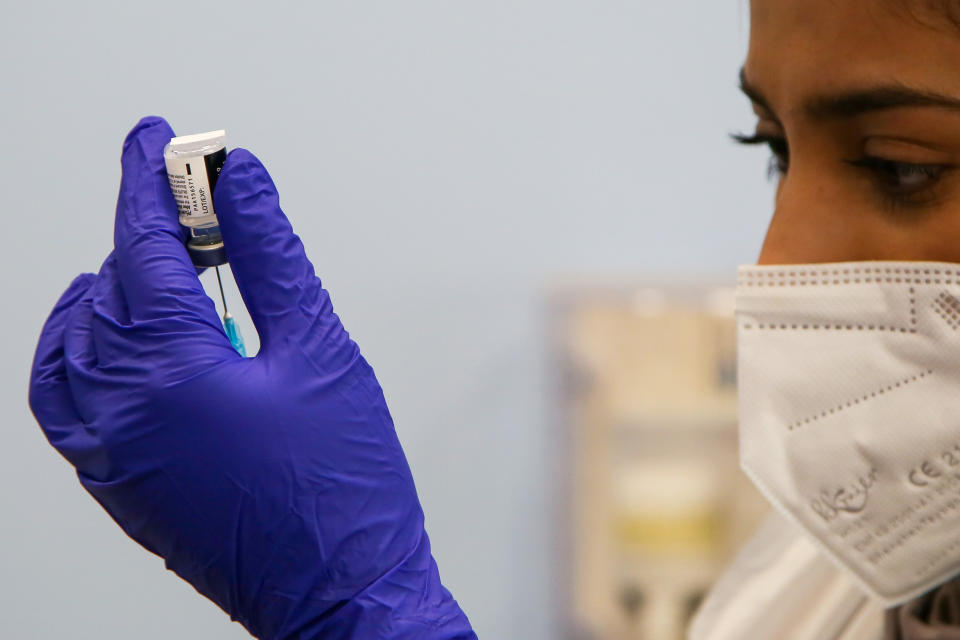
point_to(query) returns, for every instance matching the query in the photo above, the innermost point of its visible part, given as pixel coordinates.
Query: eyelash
(885, 173)
(779, 151)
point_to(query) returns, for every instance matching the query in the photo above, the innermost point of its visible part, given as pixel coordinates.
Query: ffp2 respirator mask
(849, 382)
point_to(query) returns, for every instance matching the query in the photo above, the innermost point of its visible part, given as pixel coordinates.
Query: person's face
(860, 102)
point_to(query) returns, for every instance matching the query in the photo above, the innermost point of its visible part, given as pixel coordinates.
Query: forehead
(802, 46)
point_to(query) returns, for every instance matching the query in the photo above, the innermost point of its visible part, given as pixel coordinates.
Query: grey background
(446, 164)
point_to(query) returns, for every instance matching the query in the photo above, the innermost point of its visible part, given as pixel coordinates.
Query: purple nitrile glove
(275, 485)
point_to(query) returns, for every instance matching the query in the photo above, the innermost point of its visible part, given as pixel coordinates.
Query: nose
(810, 223)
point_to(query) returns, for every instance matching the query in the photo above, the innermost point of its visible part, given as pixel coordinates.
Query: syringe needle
(229, 324)
(222, 296)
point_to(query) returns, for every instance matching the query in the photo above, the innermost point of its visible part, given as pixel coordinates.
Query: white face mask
(850, 413)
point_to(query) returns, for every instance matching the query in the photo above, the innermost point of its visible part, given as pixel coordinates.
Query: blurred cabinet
(653, 499)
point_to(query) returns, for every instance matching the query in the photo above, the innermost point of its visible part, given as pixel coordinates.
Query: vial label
(192, 180)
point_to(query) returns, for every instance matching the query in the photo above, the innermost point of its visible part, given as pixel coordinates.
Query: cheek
(933, 235)
(833, 216)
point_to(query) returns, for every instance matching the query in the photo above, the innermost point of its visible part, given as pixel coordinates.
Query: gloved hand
(275, 485)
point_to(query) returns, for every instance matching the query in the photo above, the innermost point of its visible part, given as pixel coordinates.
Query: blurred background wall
(446, 163)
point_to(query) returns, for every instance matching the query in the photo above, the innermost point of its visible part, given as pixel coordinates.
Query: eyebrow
(849, 104)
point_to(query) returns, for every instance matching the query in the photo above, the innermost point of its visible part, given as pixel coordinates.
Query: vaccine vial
(193, 165)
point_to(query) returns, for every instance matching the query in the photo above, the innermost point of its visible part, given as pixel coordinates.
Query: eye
(902, 176)
(779, 150)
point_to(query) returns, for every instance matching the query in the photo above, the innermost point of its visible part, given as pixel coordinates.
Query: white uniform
(780, 587)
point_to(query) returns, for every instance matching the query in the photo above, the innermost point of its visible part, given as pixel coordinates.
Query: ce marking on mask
(938, 504)
(879, 537)
(929, 472)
